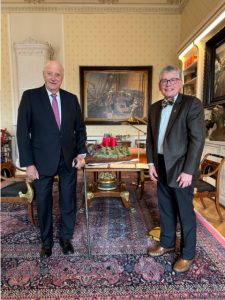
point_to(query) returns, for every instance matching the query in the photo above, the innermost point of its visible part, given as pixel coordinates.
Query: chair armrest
(30, 191)
(19, 169)
(210, 173)
(8, 172)
(12, 179)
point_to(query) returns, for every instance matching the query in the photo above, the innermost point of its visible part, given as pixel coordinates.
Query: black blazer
(39, 139)
(184, 137)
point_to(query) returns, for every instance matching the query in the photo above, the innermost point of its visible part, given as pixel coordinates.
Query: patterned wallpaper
(119, 40)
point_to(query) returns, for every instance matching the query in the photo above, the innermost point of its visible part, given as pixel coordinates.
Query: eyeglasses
(170, 81)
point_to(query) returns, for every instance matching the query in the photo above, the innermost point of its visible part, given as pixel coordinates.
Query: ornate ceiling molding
(101, 7)
(34, 1)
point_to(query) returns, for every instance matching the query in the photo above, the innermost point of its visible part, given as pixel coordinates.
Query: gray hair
(171, 68)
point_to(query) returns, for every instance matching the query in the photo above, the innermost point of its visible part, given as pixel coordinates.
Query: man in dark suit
(51, 137)
(175, 140)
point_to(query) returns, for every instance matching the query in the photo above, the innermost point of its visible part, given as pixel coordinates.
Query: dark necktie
(55, 109)
(168, 101)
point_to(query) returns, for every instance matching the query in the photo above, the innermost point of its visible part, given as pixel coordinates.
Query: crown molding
(37, 6)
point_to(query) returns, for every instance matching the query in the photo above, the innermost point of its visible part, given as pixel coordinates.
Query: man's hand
(152, 173)
(184, 180)
(32, 172)
(80, 161)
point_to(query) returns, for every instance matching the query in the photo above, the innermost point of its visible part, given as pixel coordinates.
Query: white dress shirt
(165, 115)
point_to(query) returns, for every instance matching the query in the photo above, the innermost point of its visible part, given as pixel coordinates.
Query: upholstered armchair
(16, 188)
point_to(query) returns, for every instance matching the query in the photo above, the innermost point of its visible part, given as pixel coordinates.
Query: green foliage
(99, 151)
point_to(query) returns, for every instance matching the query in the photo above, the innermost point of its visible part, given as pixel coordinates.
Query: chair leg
(203, 203)
(30, 210)
(218, 209)
(137, 182)
(142, 184)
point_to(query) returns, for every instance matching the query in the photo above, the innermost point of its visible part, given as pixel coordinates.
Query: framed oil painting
(214, 73)
(111, 95)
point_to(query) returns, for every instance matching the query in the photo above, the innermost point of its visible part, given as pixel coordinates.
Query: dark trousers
(67, 203)
(174, 204)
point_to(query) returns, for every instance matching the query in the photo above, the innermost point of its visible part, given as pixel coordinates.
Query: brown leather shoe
(182, 265)
(158, 250)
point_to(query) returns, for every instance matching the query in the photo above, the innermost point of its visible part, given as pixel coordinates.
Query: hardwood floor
(210, 214)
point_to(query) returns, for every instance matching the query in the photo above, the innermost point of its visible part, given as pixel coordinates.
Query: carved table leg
(124, 194)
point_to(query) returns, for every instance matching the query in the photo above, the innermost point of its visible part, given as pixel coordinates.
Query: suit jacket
(184, 137)
(40, 141)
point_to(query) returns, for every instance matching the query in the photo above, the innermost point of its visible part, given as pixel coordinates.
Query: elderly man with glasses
(175, 141)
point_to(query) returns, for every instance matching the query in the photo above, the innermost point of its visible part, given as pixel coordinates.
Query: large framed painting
(214, 73)
(112, 95)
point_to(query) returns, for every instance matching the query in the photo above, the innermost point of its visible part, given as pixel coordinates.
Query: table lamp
(137, 120)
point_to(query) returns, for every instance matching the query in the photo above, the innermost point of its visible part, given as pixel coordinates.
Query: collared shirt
(165, 115)
(58, 101)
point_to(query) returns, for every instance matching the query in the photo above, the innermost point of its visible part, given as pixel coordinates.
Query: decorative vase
(107, 181)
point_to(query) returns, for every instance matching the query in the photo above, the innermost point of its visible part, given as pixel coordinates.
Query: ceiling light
(186, 50)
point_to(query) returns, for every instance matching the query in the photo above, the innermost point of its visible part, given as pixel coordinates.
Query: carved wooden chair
(16, 189)
(209, 182)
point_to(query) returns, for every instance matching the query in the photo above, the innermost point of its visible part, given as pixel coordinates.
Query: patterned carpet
(119, 267)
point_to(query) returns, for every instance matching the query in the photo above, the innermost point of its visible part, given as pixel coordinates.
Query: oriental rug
(119, 267)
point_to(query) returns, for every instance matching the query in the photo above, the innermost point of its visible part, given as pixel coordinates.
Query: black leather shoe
(46, 251)
(67, 247)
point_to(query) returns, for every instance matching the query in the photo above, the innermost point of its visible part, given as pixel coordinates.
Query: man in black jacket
(51, 133)
(175, 141)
